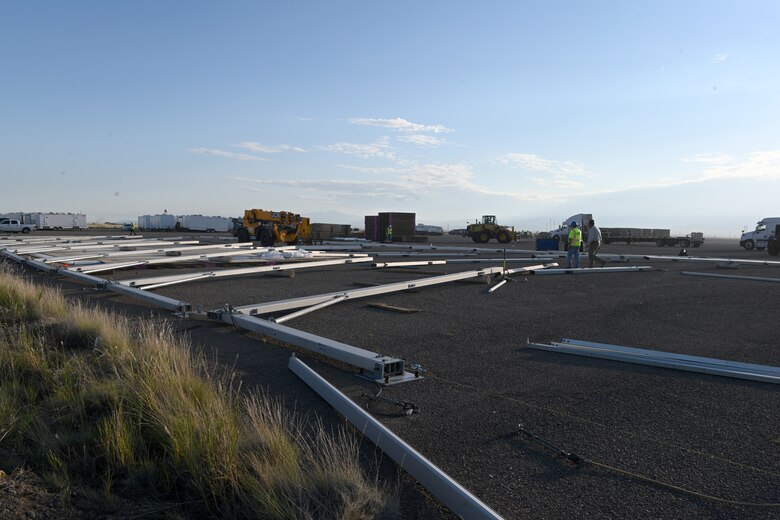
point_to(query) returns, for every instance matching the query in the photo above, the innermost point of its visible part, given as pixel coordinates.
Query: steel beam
(407, 264)
(160, 301)
(180, 278)
(379, 368)
(458, 499)
(353, 294)
(307, 310)
(595, 270)
(732, 276)
(719, 367)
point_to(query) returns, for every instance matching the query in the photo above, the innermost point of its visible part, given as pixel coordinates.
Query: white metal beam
(732, 276)
(734, 369)
(382, 369)
(458, 499)
(353, 294)
(180, 278)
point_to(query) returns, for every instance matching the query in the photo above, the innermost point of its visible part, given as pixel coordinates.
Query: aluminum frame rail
(162, 252)
(162, 260)
(691, 259)
(457, 498)
(595, 270)
(191, 277)
(306, 301)
(704, 365)
(105, 246)
(176, 306)
(381, 265)
(378, 368)
(732, 276)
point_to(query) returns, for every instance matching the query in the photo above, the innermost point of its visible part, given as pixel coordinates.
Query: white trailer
(59, 221)
(204, 223)
(161, 222)
(422, 229)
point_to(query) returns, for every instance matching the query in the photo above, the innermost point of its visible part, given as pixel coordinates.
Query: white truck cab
(562, 231)
(11, 225)
(758, 237)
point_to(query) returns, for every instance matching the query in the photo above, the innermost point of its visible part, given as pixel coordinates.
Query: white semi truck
(661, 237)
(757, 239)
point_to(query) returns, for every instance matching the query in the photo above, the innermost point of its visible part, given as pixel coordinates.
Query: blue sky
(651, 114)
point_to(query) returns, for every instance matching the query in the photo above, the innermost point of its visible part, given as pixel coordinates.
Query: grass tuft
(92, 400)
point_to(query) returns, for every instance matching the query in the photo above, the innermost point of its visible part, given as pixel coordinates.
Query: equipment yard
(486, 408)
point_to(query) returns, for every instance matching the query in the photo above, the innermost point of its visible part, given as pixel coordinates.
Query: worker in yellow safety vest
(573, 246)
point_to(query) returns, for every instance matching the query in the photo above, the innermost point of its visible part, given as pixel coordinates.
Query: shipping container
(403, 225)
(320, 231)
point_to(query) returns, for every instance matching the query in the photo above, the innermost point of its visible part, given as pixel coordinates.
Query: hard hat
(573, 224)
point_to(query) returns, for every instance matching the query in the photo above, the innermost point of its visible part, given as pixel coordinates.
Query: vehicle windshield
(760, 227)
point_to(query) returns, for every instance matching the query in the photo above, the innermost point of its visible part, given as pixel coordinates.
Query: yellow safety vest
(575, 237)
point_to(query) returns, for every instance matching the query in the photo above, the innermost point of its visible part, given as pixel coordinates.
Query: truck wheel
(484, 237)
(475, 239)
(503, 237)
(749, 245)
(686, 243)
(243, 235)
(696, 244)
(265, 237)
(25, 230)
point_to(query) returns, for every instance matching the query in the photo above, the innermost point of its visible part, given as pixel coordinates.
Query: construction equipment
(270, 227)
(481, 232)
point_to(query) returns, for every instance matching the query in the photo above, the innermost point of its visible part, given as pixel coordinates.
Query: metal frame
(457, 498)
(596, 270)
(374, 366)
(170, 304)
(306, 301)
(704, 365)
(160, 281)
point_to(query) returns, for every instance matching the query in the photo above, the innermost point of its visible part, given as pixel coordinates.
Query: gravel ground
(708, 434)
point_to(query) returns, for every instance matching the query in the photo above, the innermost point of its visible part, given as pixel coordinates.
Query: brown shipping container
(403, 225)
(372, 228)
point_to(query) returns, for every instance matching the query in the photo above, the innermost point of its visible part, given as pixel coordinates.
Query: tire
(243, 235)
(25, 230)
(685, 243)
(266, 237)
(503, 237)
(696, 244)
(475, 239)
(749, 245)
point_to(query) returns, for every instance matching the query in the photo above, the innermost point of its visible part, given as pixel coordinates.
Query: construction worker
(594, 243)
(389, 234)
(132, 228)
(573, 246)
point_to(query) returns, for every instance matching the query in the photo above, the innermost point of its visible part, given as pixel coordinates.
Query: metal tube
(732, 276)
(307, 310)
(457, 498)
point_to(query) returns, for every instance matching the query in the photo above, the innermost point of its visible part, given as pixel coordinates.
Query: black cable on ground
(407, 407)
(578, 460)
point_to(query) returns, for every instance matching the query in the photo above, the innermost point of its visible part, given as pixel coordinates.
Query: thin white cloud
(709, 158)
(400, 124)
(228, 155)
(260, 148)
(378, 170)
(380, 148)
(422, 140)
(720, 58)
(527, 161)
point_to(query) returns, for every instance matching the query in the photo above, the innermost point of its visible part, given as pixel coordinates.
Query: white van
(757, 238)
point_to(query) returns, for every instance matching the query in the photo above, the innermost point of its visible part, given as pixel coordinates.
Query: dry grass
(91, 400)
